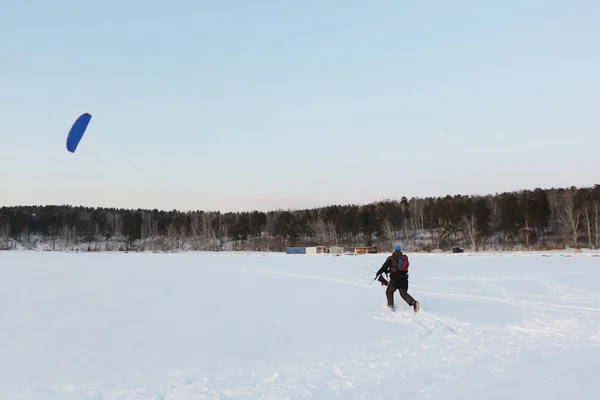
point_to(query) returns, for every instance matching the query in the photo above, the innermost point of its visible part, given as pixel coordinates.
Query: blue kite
(77, 131)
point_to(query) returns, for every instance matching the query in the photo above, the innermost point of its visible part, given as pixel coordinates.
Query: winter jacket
(396, 266)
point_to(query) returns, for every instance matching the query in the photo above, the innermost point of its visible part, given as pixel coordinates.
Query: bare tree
(146, 231)
(196, 231)
(271, 222)
(65, 236)
(115, 222)
(410, 236)
(25, 234)
(586, 211)
(208, 233)
(320, 229)
(417, 214)
(388, 231)
(470, 226)
(5, 235)
(183, 234)
(96, 235)
(596, 208)
(567, 215)
(495, 215)
(332, 233)
(172, 235)
(440, 232)
(221, 231)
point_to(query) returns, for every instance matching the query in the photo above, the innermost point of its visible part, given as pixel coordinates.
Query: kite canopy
(77, 131)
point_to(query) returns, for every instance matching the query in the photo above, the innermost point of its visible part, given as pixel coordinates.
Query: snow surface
(256, 326)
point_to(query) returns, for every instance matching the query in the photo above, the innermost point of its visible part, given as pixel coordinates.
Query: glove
(382, 280)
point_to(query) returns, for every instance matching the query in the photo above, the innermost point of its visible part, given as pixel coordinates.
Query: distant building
(320, 250)
(315, 250)
(295, 250)
(362, 250)
(336, 250)
(305, 250)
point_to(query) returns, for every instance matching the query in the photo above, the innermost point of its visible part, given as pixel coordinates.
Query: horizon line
(291, 209)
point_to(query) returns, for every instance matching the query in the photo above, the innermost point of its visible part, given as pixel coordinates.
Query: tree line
(526, 219)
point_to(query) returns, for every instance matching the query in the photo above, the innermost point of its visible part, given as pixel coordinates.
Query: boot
(415, 305)
(389, 294)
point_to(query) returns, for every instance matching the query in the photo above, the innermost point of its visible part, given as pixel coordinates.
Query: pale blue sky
(237, 105)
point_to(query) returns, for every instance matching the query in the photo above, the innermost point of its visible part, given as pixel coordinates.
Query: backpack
(399, 264)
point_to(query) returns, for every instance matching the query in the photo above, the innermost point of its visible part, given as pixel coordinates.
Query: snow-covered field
(255, 326)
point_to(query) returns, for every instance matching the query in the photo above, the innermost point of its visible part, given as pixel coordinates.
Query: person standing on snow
(396, 265)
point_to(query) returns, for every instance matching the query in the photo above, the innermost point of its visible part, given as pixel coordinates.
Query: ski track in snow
(443, 352)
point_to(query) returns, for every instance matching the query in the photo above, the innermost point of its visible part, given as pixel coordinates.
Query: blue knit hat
(397, 248)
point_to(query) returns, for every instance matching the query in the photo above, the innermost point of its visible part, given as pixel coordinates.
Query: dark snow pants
(400, 284)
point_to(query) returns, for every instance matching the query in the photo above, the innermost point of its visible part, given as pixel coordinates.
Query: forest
(539, 219)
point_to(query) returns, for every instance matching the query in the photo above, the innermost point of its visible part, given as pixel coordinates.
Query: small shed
(336, 250)
(321, 250)
(312, 250)
(366, 250)
(295, 250)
